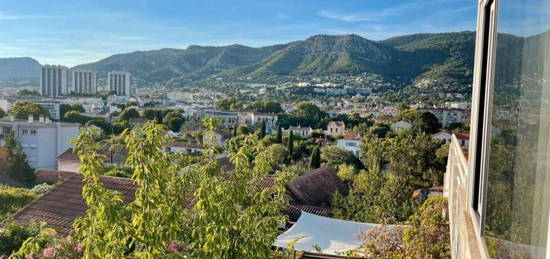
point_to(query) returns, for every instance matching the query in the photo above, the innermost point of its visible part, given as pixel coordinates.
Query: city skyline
(61, 32)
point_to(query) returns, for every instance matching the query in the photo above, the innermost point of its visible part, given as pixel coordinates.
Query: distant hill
(14, 68)
(423, 60)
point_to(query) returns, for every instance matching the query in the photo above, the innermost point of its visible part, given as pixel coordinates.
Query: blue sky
(78, 31)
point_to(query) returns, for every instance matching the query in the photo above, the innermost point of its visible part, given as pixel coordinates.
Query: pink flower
(78, 247)
(174, 247)
(30, 256)
(48, 252)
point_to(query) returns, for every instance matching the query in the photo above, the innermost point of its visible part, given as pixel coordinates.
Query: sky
(76, 32)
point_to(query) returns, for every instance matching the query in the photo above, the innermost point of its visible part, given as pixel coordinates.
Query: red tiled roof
(317, 187)
(64, 203)
(462, 135)
(53, 176)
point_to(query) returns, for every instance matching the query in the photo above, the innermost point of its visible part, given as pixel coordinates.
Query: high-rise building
(53, 80)
(119, 82)
(84, 82)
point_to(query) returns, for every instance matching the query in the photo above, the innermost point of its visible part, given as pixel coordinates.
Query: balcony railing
(466, 242)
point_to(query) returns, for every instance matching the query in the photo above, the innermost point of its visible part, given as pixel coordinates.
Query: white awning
(332, 236)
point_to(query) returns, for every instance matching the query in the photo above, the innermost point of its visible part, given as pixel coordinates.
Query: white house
(335, 128)
(300, 131)
(351, 142)
(42, 140)
(397, 126)
(445, 136)
(253, 118)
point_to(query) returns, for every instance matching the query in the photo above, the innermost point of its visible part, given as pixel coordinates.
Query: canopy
(332, 236)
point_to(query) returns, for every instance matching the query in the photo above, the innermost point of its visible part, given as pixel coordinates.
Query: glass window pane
(518, 194)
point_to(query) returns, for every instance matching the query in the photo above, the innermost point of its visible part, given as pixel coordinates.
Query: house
(445, 136)
(218, 138)
(350, 142)
(335, 128)
(400, 125)
(254, 118)
(64, 203)
(300, 131)
(448, 115)
(68, 161)
(316, 188)
(41, 140)
(191, 148)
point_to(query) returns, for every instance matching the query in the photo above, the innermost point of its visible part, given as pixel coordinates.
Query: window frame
(482, 96)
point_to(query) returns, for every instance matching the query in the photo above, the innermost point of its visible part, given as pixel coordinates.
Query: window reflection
(518, 194)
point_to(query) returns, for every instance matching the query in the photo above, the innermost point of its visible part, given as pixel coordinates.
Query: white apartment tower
(84, 82)
(119, 82)
(53, 80)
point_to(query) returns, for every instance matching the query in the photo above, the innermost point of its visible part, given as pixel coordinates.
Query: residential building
(42, 140)
(6, 104)
(227, 118)
(335, 128)
(400, 125)
(119, 83)
(350, 142)
(53, 80)
(300, 131)
(254, 118)
(447, 116)
(84, 82)
(499, 193)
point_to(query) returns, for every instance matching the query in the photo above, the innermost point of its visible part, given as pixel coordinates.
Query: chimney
(31, 119)
(41, 119)
(47, 120)
(12, 118)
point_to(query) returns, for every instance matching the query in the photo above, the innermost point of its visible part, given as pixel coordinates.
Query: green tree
(262, 130)
(128, 113)
(174, 120)
(428, 233)
(233, 215)
(266, 106)
(315, 159)
(279, 134)
(425, 122)
(335, 156)
(76, 117)
(2, 113)
(307, 114)
(64, 108)
(13, 235)
(14, 163)
(230, 103)
(22, 110)
(290, 145)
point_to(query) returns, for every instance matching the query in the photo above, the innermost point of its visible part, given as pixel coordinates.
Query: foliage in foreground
(233, 215)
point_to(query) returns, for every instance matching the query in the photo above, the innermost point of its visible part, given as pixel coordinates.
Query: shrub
(12, 199)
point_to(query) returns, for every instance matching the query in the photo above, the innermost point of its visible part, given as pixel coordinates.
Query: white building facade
(53, 80)
(84, 82)
(41, 140)
(119, 83)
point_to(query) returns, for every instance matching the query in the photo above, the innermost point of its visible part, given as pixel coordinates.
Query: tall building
(53, 80)
(119, 82)
(84, 82)
(41, 140)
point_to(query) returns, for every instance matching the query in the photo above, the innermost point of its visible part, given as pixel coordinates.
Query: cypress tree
(279, 134)
(262, 130)
(290, 145)
(235, 132)
(315, 159)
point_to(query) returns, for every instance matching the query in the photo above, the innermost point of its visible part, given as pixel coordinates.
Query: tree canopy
(22, 110)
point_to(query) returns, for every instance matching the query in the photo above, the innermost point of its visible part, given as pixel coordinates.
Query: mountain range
(422, 60)
(11, 68)
(409, 58)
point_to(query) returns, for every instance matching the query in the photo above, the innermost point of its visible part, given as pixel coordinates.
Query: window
(517, 201)
(24, 132)
(33, 132)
